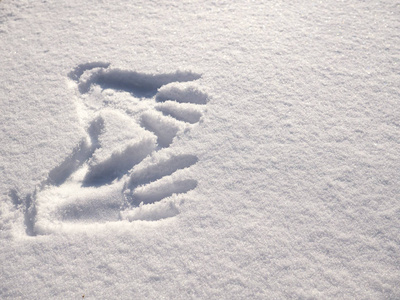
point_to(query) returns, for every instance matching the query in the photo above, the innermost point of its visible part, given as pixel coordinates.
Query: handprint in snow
(125, 168)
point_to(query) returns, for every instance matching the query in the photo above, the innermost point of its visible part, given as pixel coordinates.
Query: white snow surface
(200, 149)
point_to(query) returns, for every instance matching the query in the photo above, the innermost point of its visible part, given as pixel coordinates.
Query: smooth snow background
(298, 171)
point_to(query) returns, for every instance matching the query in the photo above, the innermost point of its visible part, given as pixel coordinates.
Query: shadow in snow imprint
(138, 84)
(29, 210)
(118, 164)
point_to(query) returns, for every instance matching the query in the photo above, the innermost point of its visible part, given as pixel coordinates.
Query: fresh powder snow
(200, 149)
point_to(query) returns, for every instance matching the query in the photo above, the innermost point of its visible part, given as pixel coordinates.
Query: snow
(156, 149)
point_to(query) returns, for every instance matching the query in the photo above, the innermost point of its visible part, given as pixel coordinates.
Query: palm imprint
(125, 168)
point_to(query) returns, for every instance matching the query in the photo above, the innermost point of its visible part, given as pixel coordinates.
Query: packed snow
(200, 149)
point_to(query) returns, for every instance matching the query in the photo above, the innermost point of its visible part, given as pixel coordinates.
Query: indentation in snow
(125, 168)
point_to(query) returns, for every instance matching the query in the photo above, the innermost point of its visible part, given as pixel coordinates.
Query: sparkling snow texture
(284, 182)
